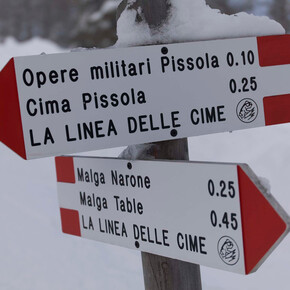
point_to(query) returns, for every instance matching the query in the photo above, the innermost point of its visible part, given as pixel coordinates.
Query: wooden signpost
(88, 100)
(213, 214)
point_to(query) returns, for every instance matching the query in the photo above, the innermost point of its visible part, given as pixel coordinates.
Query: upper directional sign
(217, 215)
(72, 102)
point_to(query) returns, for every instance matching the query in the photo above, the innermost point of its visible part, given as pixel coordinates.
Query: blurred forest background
(92, 23)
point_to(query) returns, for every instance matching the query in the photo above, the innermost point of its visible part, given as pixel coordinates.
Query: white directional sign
(217, 215)
(81, 101)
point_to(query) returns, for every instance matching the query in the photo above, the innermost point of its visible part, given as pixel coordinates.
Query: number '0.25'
(222, 189)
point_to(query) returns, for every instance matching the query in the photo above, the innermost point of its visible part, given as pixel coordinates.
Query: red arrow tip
(11, 133)
(262, 225)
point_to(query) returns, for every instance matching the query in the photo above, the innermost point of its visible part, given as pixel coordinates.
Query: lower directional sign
(217, 215)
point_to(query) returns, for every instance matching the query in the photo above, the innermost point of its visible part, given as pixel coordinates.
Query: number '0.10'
(247, 58)
(222, 189)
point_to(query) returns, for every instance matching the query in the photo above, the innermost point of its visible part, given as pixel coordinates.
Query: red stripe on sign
(277, 109)
(274, 50)
(70, 221)
(65, 171)
(11, 133)
(261, 224)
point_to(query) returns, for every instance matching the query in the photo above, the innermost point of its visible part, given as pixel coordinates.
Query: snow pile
(192, 20)
(131, 33)
(11, 48)
(265, 182)
(141, 151)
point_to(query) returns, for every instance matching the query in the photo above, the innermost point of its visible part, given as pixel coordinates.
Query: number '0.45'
(228, 220)
(223, 189)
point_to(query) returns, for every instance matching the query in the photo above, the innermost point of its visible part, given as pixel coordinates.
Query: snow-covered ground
(35, 255)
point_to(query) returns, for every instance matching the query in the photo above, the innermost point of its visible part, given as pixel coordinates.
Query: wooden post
(161, 273)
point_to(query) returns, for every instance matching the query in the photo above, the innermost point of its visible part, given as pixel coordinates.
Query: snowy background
(35, 255)
(88, 23)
